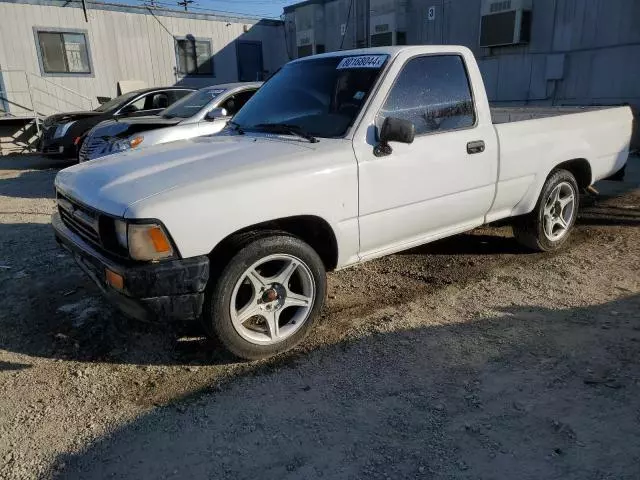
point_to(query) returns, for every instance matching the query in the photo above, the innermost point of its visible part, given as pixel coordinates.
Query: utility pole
(367, 21)
(185, 4)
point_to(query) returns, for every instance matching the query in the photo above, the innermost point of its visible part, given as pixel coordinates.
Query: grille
(48, 132)
(79, 219)
(93, 147)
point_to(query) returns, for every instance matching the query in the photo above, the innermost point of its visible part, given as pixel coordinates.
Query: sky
(263, 8)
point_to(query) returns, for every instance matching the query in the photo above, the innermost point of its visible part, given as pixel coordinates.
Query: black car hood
(70, 116)
(129, 126)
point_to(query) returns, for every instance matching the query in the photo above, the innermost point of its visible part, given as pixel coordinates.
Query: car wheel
(549, 225)
(267, 297)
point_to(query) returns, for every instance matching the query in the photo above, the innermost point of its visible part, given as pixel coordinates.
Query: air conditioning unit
(505, 22)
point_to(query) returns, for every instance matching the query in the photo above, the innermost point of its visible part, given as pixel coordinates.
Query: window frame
(212, 64)
(469, 84)
(72, 31)
(145, 95)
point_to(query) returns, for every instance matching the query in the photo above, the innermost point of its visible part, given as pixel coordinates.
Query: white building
(58, 56)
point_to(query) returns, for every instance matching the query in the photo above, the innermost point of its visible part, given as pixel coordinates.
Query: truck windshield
(321, 97)
(192, 103)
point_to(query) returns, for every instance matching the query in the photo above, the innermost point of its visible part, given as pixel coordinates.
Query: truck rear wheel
(549, 225)
(267, 298)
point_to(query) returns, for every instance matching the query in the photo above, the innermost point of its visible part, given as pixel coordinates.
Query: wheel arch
(314, 230)
(580, 167)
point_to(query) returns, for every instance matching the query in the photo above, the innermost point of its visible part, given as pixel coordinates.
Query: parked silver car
(204, 112)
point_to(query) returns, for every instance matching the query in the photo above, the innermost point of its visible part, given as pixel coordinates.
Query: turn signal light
(159, 239)
(114, 279)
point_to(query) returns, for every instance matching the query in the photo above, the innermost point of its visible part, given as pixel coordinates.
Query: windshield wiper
(286, 129)
(236, 127)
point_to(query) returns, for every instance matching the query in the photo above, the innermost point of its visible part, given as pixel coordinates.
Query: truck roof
(391, 51)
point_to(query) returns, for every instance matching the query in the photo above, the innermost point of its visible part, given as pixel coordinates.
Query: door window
(236, 102)
(433, 93)
(157, 100)
(134, 106)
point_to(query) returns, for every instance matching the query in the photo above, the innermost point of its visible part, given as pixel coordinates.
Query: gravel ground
(466, 358)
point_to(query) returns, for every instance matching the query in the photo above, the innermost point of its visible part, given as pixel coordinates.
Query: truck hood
(115, 183)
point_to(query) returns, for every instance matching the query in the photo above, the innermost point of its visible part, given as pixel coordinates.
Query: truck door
(442, 183)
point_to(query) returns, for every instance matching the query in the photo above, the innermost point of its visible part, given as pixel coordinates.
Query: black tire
(529, 229)
(245, 251)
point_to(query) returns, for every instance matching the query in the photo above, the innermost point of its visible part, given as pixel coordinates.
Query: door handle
(475, 147)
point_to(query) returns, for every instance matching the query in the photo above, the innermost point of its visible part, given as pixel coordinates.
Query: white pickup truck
(339, 158)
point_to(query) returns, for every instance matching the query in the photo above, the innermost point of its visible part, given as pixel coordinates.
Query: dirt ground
(467, 358)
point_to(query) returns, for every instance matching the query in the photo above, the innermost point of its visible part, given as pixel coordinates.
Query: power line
(162, 4)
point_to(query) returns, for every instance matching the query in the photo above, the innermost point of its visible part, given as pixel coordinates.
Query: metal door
(250, 66)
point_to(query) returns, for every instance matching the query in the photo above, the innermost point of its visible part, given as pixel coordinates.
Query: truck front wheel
(549, 225)
(267, 298)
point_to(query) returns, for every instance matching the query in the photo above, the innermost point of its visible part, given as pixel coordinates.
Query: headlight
(148, 242)
(62, 129)
(126, 144)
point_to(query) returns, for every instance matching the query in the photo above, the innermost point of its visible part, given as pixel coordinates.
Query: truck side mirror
(216, 113)
(394, 130)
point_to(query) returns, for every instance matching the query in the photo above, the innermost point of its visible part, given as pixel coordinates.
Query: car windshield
(192, 103)
(117, 102)
(321, 96)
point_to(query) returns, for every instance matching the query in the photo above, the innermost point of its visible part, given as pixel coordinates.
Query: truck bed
(518, 114)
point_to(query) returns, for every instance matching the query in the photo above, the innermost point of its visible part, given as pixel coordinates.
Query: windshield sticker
(358, 96)
(364, 61)
(215, 92)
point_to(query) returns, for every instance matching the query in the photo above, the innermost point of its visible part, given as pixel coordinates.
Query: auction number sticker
(364, 61)
(217, 91)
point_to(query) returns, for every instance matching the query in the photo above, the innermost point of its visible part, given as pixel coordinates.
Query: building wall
(594, 45)
(124, 45)
(581, 51)
(321, 23)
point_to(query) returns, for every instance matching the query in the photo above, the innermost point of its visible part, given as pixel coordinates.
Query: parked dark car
(62, 133)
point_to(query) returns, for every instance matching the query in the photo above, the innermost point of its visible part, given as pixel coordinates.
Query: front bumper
(169, 290)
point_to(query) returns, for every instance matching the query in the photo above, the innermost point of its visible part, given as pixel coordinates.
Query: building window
(63, 52)
(193, 56)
